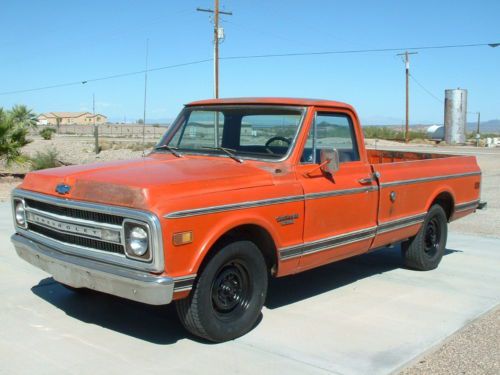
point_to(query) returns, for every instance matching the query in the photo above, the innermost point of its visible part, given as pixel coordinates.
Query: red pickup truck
(236, 191)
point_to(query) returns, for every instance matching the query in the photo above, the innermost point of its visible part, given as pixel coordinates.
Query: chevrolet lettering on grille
(62, 226)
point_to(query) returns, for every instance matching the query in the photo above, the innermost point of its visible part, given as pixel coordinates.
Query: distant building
(71, 118)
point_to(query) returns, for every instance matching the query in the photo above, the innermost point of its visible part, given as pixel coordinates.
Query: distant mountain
(491, 126)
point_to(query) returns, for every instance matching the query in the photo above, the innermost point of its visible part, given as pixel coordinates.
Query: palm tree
(14, 128)
(23, 117)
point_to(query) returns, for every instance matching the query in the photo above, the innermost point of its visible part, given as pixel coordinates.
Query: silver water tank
(455, 115)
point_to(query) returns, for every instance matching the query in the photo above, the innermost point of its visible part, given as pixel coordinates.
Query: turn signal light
(182, 238)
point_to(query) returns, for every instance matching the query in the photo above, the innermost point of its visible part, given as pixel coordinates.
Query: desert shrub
(384, 132)
(44, 160)
(47, 133)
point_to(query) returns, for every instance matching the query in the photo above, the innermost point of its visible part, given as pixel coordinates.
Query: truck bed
(409, 182)
(388, 156)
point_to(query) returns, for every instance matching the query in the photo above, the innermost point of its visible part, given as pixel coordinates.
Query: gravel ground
(475, 349)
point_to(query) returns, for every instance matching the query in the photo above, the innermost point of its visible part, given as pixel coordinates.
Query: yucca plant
(14, 129)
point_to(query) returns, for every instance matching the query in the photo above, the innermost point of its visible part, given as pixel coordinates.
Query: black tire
(424, 251)
(227, 298)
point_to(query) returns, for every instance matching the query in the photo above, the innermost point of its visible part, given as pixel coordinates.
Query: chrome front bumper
(81, 272)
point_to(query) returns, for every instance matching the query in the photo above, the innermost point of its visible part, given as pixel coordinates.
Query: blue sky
(50, 42)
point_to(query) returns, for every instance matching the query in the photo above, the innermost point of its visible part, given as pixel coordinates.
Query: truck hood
(132, 183)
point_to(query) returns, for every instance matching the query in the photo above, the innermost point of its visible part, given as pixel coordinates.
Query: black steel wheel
(231, 290)
(425, 250)
(228, 295)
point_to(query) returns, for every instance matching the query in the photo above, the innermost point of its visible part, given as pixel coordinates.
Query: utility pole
(478, 134)
(218, 34)
(407, 69)
(96, 130)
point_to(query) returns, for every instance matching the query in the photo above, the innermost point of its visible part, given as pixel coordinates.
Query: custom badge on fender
(63, 189)
(287, 219)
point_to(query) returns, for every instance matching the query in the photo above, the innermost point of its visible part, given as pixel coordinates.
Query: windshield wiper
(228, 151)
(173, 150)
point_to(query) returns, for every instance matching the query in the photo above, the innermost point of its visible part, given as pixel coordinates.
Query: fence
(110, 130)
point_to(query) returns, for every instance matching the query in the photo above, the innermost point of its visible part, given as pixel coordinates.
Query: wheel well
(249, 232)
(446, 201)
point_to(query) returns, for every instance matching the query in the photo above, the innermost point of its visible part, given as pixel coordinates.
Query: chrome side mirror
(329, 161)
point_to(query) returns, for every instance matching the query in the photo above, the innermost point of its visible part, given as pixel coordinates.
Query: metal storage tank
(455, 115)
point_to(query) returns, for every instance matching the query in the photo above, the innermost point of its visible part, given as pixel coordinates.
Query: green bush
(47, 133)
(14, 128)
(44, 160)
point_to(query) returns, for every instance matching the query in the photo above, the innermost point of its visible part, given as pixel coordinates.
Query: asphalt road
(365, 315)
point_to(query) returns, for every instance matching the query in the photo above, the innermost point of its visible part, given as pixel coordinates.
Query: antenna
(145, 97)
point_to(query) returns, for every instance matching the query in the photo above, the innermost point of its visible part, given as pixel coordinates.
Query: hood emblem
(63, 189)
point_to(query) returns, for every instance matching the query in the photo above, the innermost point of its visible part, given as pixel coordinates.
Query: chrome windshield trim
(157, 263)
(428, 179)
(178, 122)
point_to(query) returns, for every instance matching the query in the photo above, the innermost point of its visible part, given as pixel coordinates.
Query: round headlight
(138, 241)
(20, 214)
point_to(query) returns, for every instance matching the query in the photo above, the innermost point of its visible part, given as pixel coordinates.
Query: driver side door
(340, 209)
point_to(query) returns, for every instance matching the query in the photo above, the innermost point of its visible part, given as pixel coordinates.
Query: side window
(333, 130)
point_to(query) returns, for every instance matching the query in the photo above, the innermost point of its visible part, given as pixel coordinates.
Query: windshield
(246, 131)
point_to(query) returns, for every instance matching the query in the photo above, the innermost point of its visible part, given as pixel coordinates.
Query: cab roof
(268, 100)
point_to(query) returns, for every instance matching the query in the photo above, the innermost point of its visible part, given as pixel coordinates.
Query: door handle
(366, 180)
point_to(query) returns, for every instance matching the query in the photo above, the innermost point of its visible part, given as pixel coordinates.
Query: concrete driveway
(360, 316)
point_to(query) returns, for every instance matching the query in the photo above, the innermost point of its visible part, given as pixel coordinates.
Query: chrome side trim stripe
(467, 206)
(400, 223)
(348, 238)
(428, 179)
(232, 207)
(267, 202)
(336, 193)
(327, 243)
(184, 283)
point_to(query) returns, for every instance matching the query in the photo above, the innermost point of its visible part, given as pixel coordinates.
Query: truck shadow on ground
(160, 325)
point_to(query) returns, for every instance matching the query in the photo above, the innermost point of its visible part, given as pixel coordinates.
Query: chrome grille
(90, 230)
(77, 240)
(74, 226)
(74, 212)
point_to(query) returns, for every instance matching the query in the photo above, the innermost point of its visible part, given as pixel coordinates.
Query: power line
(358, 51)
(243, 57)
(426, 90)
(121, 75)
